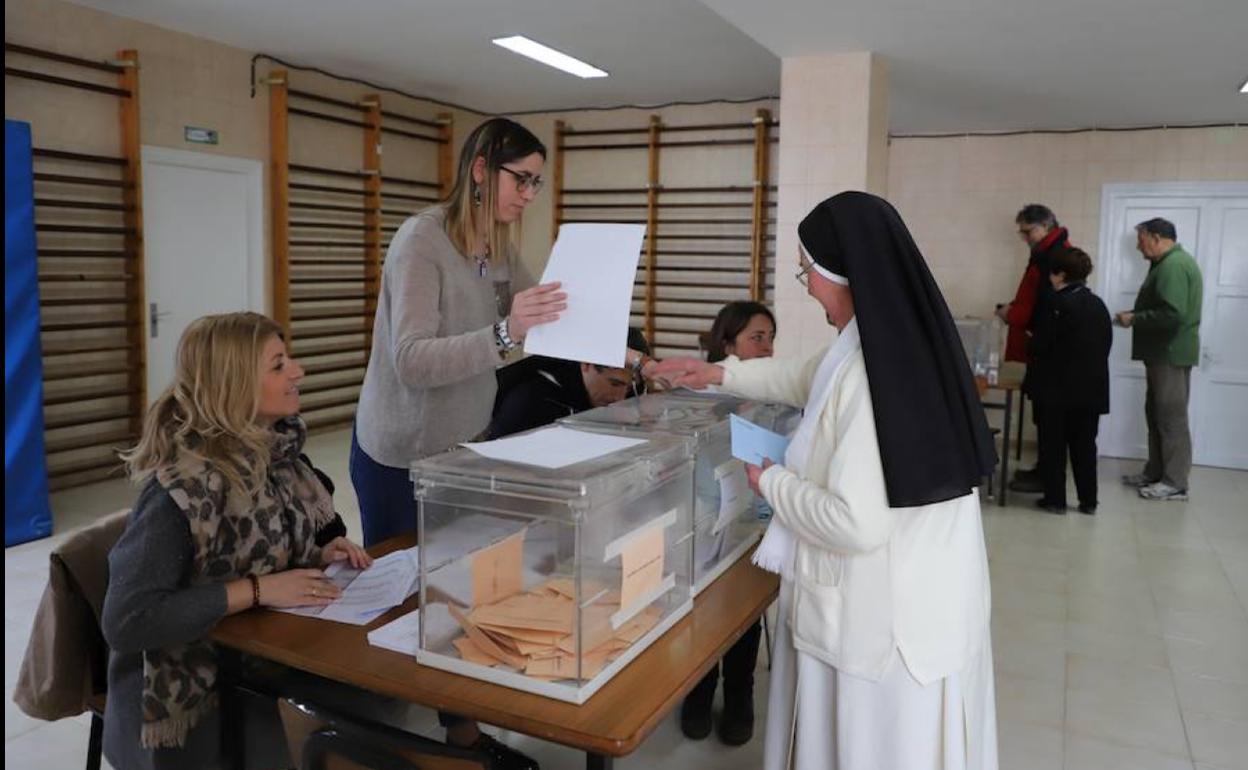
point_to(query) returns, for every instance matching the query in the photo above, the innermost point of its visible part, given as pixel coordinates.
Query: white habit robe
(882, 654)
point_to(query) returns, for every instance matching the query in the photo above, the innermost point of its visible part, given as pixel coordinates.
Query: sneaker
(502, 756)
(736, 724)
(1163, 491)
(1138, 480)
(1050, 507)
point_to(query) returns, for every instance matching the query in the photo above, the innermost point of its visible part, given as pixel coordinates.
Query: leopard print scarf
(234, 536)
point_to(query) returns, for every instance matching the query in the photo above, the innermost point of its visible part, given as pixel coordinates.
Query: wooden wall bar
(707, 243)
(89, 234)
(338, 222)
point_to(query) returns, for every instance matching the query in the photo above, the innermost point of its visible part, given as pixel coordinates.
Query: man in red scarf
(1038, 228)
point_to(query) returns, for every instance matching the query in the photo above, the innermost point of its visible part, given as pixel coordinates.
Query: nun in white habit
(883, 659)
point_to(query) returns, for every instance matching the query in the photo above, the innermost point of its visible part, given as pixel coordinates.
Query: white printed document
(734, 493)
(554, 447)
(399, 635)
(597, 264)
(366, 594)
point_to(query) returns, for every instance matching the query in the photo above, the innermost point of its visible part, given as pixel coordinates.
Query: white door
(1220, 399)
(1212, 224)
(203, 245)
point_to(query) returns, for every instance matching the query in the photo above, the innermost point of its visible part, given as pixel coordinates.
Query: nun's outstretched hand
(684, 372)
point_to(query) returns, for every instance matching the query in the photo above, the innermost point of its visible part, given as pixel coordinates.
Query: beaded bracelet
(255, 590)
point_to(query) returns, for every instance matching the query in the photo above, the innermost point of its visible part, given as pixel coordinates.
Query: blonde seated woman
(231, 515)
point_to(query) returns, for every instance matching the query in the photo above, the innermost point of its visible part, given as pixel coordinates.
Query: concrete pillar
(833, 137)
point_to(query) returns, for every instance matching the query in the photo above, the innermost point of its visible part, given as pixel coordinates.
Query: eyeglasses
(802, 274)
(525, 181)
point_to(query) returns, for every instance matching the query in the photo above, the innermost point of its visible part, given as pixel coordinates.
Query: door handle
(153, 316)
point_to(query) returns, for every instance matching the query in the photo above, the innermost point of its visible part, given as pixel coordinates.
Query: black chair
(322, 739)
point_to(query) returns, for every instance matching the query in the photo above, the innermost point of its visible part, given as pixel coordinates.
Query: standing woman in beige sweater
(442, 328)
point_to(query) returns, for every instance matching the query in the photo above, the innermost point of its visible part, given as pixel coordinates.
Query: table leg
(598, 761)
(229, 679)
(1018, 445)
(1005, 446)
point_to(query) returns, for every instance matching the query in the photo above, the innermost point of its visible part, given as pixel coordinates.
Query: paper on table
(497, 571)
(400, 635)
(596, 263)
(754, 443)
(554, 447)
(734, 493)
(642, 566)
(369, 593)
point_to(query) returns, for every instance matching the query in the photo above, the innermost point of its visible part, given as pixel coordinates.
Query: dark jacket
(1070, 348)
(535, 392)
(66, 655)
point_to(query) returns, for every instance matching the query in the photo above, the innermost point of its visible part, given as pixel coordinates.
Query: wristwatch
(640, 364)
(504, 341)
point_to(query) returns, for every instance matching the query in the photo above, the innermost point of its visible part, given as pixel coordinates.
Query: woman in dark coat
(1071, 343)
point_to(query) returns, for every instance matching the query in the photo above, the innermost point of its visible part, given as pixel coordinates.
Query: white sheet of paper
(734, 493)
(554, 447)
(401, 635)
(369, 593)
(596, 263)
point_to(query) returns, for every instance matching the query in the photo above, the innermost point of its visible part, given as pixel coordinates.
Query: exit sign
(200, 135)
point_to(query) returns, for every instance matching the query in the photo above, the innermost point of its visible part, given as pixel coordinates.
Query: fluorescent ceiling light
(1244, 88)
(546, 55)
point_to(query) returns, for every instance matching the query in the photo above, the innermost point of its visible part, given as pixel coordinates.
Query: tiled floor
(1121, 641)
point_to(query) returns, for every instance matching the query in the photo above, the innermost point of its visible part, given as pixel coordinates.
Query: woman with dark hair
(441, 330)
(1071, 343)
(882, 652)
(741, 331)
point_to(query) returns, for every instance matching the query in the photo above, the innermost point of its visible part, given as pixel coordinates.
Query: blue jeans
(387, 508)
(387, 498)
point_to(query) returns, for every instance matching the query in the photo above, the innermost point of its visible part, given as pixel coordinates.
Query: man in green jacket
(1165, 324)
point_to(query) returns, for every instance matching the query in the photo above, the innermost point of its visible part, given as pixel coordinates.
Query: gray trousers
(1165, 410)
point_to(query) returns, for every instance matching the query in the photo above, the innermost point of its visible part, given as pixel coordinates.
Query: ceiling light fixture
(549, 56)
(1244, 88)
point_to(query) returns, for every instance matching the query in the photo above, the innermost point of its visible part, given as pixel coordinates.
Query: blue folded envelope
(754, 443)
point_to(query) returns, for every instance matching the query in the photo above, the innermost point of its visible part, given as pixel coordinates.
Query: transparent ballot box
(728, 517)
(552, 580)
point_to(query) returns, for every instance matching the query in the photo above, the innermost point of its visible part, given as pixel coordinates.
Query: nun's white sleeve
(783, 380)
(842, 506)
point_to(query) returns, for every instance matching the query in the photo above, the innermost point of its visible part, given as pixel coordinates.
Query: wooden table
(613, 723)
(1009, 387)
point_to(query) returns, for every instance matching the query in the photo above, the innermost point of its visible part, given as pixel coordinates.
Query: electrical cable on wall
(452, 105)
(773, 97)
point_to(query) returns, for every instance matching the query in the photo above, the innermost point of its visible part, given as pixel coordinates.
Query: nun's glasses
(802, 274)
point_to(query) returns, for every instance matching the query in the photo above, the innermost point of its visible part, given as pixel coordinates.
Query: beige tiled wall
(960, 195)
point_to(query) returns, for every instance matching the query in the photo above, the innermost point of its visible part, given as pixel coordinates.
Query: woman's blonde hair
(209, 411)
(498, 141)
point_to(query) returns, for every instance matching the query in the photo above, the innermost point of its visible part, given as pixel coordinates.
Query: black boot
(695, 712)
(736, 724)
